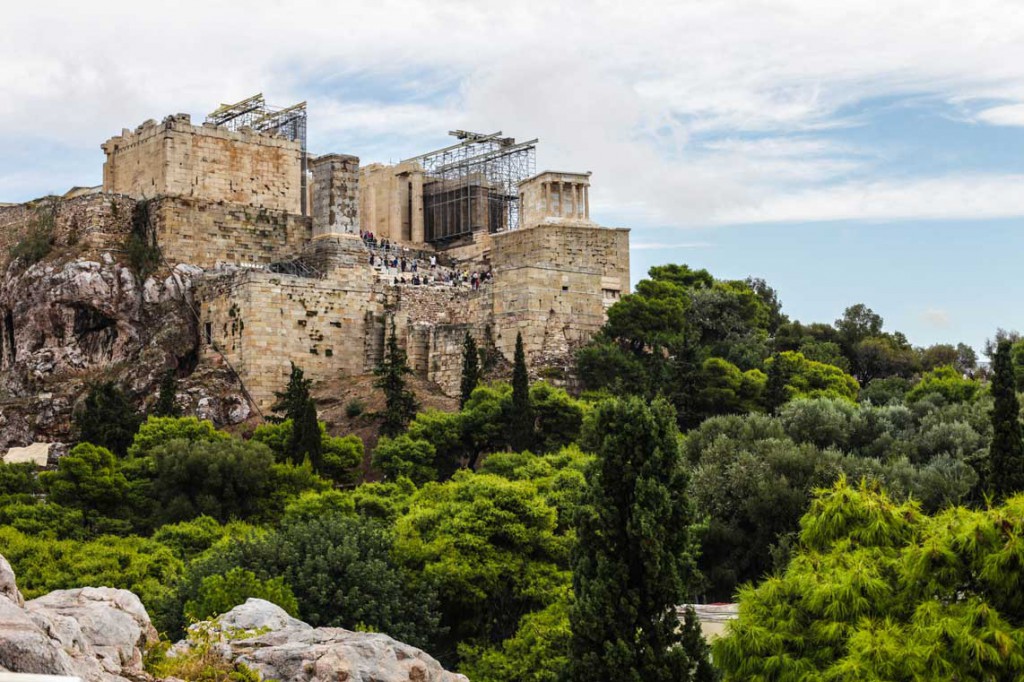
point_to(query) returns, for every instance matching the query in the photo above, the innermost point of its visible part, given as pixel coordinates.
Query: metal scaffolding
(474, 184)
(254, 113)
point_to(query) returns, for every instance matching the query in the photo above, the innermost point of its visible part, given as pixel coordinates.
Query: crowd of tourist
(402, 265)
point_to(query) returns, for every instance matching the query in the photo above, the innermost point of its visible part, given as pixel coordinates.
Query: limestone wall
(553, 284)
(100, 221)
(336, 194)
(208, 234)
(207, 162)
(263, 321)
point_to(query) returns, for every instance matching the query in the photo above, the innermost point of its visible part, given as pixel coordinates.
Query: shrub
(354, 408)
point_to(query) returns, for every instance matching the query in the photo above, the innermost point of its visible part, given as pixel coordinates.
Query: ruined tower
(335, 195)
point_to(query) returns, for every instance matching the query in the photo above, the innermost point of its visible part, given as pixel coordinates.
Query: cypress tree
(775, 388)
(1006, 454)
(634, 559)
(306, 440)
(400, 403)
(470, 369)
(108, 418)
(521, 419)
(166, 402)
(291, 403)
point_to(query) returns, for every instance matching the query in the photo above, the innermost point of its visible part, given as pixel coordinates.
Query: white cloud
(630, 91)
(1006, 115)
(964, 197)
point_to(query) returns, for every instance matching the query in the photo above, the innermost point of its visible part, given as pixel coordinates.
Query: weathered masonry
(291, 246)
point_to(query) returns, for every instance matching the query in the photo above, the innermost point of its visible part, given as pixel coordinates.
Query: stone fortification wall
(209, 234)
(261, 321)
(207, 162)
(100, 221)
(553, 283)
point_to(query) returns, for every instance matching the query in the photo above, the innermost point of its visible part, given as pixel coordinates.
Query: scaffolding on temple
(474, 184)
(254, 113)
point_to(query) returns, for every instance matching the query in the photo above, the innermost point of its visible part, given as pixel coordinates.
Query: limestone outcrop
(84, 315)
(101, 634)
(95, 633)
(288, 649)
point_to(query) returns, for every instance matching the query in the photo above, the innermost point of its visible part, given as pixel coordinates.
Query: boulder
(95, 633)
(37, 453)
(286, 649)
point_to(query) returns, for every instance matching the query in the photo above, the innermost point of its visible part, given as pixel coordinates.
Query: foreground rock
(290, 650)
(95, 633)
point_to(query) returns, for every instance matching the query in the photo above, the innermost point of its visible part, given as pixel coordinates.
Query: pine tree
(291, 403)
(306, 440)
(521, 421)
(166, 402)
(108, 419)
(634, 558)
(470, 369)
(400, 403)
(1006, 454)
(775, 389)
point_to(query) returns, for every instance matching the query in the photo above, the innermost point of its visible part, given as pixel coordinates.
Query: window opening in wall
(209, 333)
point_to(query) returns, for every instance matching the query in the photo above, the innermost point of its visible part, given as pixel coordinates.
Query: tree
(291, 403)
(1006, 454)
(220, 593)
(879, 591)
(470, 369)
(400, 403)
(107, 419)
(775, 395)
(858, 323)
(635, 554)
(89, 478)
(156, 431)
(167, 401)
(947, 382)
(306, 440)
(405, 456)
(521, 424)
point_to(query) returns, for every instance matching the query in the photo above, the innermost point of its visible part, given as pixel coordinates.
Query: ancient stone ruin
(265, 257)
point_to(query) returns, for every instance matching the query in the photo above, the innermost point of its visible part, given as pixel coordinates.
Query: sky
(845, 152)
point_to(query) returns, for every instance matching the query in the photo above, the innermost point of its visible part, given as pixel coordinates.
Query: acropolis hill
(265, 254)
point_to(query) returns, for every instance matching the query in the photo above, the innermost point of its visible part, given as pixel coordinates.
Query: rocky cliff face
(100, 634)
(81, 314)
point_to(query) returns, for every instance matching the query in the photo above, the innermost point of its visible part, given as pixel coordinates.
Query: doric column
(418, 235)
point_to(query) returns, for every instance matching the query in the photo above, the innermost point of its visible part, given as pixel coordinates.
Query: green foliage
(202, 660)
(809, 379)
(306, 441)
(225, 480)
(405, 456)
(220, 593)
(491, 547)
(339, 459)
(878, 591)
(470, 369)
(724, 389)
(291, 402)
(1006, 454)
(400, 403)
(89, 479)
(146, 567)
(521, 420)
(947, 382)
(18, 479)
(354, 408)
(635, 556)
(107, 419)
(538, 652)
(157, 431)
(167, 402)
